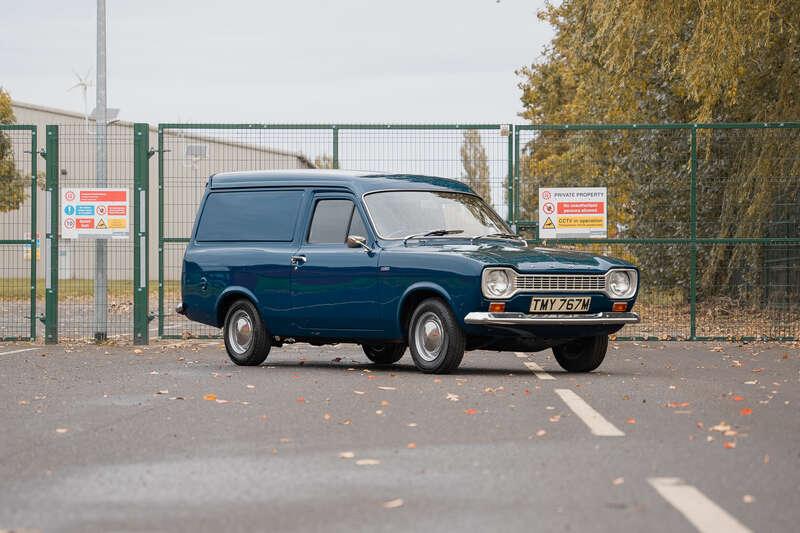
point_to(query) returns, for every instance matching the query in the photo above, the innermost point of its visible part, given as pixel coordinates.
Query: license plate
(560, 304)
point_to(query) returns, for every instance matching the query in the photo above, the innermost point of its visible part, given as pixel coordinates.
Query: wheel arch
(230, 295)
(415, 294)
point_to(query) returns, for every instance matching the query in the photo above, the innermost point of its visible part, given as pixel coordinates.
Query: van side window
(331, 221)
(255, 215)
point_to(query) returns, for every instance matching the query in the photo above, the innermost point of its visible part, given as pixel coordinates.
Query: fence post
(515, 180)
(51, 238)
(34, 243)
(160, 152)
(141, 177)
(693, 236)
(510, 177)
(335, 146)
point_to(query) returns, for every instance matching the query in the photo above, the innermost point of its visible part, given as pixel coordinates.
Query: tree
(323, 161)
(476, 166)
(640, 61)
(13, 185)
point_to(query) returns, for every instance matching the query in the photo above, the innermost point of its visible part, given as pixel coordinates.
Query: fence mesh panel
(17, 211)
(76, 261)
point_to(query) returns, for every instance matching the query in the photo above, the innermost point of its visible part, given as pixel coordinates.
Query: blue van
(390, 262)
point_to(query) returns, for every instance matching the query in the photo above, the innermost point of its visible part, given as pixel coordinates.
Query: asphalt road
(665, 437)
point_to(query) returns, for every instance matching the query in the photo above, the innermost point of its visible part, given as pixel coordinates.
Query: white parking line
(538, 371)
(704, 514)
(597, 424)
(18, 351)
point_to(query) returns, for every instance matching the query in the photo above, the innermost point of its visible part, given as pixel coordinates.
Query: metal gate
(189, 153)
(96, 288)
(18, 233)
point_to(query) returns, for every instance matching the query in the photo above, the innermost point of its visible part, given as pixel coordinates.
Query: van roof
(358, 181)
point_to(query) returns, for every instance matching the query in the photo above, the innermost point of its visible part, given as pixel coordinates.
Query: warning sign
(98, 213)
(573, 212)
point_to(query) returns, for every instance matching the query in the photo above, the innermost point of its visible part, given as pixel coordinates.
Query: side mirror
(357, 241)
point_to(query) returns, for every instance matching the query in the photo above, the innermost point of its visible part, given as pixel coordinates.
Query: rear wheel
(246, 337)
(436, 341)
(582, 355)
(384, 354)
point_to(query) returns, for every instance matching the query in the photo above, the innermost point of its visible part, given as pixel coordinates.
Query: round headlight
(619, 283)
(497, 282)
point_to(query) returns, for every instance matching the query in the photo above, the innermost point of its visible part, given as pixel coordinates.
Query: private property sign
(94, 213)
(573, 212)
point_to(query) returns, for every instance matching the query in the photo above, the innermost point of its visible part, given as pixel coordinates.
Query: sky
(300, 61)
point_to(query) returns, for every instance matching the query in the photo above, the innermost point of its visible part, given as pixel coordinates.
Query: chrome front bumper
(522, 319)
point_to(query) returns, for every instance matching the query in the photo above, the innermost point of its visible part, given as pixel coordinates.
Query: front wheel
(384, 354)
(436, 341)
(246, 337)
(582, 355)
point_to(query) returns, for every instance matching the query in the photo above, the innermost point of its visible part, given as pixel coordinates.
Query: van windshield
(398, 214)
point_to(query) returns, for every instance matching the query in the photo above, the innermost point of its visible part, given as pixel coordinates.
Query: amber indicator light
(619, 306)
(497, 307)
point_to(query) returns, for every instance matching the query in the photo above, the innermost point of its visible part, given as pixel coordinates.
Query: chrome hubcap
(240, 331)
(429, 336)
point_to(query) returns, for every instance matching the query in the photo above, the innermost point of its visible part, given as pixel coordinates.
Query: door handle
(298, 260)
(203, 284)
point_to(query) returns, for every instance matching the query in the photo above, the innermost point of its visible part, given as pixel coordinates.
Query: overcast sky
(271, 61)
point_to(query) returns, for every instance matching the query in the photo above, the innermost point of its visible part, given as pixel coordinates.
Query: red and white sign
(94, 213)
(573, 212)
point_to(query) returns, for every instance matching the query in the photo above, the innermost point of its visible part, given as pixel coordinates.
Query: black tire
(253, 352)
(452, 343)
(582, 355)
(384, 354)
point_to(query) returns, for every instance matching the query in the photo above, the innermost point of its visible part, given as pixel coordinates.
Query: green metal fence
(191, 152)
(710, 212)
(18, 237)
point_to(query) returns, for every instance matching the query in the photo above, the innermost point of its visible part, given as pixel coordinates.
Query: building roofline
(193, 136)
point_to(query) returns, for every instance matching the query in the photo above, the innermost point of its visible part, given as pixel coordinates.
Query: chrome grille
(559, 282)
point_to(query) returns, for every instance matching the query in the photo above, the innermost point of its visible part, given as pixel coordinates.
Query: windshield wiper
(434, 233)
(499, 236)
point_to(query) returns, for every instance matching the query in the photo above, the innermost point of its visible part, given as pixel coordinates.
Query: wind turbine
(84, 83)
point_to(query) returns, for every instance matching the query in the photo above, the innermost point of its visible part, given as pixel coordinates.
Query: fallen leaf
(541, 433)
(346, 455)
(61, 430)
(300, 399)
(738, 398)
(367, 462)
(412, 424)
(411, 445)
(721, 427)
(221, 401)
(631, 421)
(163, 392)
(326, 416)
(359, 392)
(250, 386)
(555, 418)
(677, 404)
(137, 351)
(387, 388)
(745, 411)
(379, 412)
(384, 403)
(729, 445)
(471, 411)
(210, 397)
(452, 397)
(392, 504)
(748, 498)
(618, 481)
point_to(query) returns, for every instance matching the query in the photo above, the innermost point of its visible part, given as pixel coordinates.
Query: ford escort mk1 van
(390, 262)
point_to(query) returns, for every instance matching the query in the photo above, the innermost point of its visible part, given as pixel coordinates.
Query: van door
(334, 287)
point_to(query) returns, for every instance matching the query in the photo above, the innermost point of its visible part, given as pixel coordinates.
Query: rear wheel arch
(229, 297)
